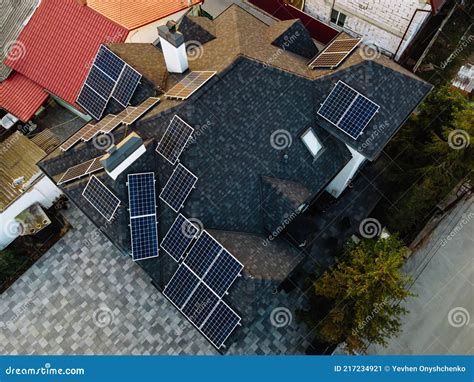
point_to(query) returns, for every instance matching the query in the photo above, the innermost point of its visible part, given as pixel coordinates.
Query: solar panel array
(140, 110)
(178, 187)
(101, 198)
(109, 77)
(336, 52)
(174, 139)
(81, 169)
(142, 208)
(209, 260)
(348, 110)
(179, 237)
(201, 281)
(189, 84)
(89, 131)
(206, 311)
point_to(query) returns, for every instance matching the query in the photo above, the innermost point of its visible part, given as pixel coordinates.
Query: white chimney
(173, 47)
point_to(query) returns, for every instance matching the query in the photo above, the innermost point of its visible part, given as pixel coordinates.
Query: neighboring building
(390, 25)
(60, 42)
(24, 189)
(260, 150)
(15, 15)
(141, 18)
(56, 48)
(464, 79)
(21, 97)
(14, 18)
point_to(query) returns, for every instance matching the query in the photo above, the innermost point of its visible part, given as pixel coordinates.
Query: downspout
(408, 27)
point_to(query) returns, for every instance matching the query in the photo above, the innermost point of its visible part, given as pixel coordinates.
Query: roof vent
(173, 47)
(121, 156)
(112, 149)
(18, 181)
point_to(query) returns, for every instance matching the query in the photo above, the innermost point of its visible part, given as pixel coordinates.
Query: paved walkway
(441, 318)
(84, 297)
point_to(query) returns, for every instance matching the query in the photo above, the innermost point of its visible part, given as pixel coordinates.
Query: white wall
(381, 22)
(342, 180)
(149, 33)
(44, 192)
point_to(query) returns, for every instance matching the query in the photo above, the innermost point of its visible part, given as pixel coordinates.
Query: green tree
(362, 295)
(426, 164)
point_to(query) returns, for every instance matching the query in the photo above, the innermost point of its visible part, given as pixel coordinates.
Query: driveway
(441, 318)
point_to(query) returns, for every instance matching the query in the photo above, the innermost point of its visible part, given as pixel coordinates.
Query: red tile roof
(60, 42)
(137, 13)
(21, 97)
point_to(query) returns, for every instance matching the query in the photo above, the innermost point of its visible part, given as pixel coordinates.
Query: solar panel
(178, 187)
(189, 84)
(181, 286)
(95, 166)
(200, 304)
(142, 206)
(141, 190)
(348, 110)
(115, 122)
(144, 235)
(358, 116)
(174, 139)
(202, 254)
(223, 273)
(140, 110)
(100, 82)
(92, 102)
(109, 63)
(101, 198)
(220, 324)
(80, 170)
(337, 103)
(108, 77)
(103, 122)
(333, 55)
(179, 237)
(76, 137)
(126, 85)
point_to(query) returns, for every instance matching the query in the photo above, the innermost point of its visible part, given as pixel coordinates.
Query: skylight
(311, 141)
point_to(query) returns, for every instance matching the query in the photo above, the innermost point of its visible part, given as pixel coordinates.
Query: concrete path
(441, 318)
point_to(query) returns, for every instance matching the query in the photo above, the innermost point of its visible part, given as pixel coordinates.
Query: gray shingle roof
(12, 18)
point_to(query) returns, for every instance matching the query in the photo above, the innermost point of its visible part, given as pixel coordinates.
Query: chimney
(82, 2)
(173, 47)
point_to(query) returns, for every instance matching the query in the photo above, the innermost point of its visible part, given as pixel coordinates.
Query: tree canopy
(361, 295)
(431, 153)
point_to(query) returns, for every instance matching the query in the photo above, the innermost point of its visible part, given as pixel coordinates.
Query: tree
(427, 165)
(362, 295)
